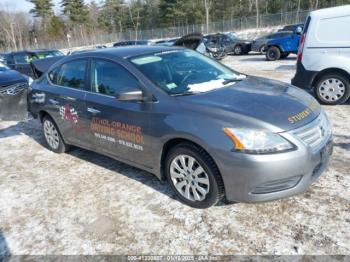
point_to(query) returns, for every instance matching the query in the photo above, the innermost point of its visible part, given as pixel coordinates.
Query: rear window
(327, 29)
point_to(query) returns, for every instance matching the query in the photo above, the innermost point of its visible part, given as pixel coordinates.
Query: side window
(109, 78)
(71, 74)
(21, 58)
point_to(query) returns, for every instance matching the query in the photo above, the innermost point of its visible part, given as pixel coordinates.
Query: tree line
(78, 19)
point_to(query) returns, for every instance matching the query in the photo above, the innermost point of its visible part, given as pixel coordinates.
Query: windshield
(184, 72)
(46, 54)
(3, 67)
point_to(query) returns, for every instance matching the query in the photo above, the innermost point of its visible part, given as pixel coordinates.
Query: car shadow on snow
(32, 128)
(5, 253)
(263, 58)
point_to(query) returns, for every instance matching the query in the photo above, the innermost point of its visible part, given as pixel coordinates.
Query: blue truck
(281, 47)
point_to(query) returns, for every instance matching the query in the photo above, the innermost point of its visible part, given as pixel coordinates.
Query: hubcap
(238, 49)
(51, 134)
(332, 89)
(189, 178)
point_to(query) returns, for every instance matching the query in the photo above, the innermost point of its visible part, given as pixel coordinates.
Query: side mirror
(130, 96)
(299, 30)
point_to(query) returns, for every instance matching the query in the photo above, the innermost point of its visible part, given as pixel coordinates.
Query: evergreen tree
(76, 11)
(42, 8)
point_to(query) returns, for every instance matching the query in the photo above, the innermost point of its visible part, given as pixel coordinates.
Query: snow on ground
(85, 203)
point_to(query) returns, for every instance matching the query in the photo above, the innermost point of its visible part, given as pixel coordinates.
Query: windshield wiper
(232, 80)
(185, 94)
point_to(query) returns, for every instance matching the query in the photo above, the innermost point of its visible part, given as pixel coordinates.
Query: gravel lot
(85, 203)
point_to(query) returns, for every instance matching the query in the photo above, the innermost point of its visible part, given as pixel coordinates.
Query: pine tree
(76, 10)
(42, 9)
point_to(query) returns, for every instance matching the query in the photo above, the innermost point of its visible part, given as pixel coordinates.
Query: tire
(53, 139)
(210, 176)
(284, 55)
(262, 49)
(273, 53)
(336, 82)
(238, 50)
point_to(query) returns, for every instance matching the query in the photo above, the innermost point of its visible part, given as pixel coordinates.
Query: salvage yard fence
(234, 24)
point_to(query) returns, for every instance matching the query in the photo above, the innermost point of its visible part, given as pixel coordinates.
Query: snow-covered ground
(85, 203)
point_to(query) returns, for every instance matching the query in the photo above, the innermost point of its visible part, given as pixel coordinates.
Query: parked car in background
(12, 101)
(166, 42)
(323, 63)
(231, 44)
(292, 28)
(133, 42)
(20, 61)
(199, 43)
(3, 58)
(283, 46)
(260, 44)
(218, 133)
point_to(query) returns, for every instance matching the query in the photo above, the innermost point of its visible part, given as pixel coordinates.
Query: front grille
(316, 133)
(13, 89)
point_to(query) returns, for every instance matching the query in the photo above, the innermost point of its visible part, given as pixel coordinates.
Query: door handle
(93, 110)
(53, 101)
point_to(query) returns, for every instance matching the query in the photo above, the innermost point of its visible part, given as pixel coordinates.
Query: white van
(324, 55)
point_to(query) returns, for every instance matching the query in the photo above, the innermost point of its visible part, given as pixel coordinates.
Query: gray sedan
(209, 131)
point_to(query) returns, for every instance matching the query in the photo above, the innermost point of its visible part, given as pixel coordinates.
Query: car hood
(276, 103)
(10, 77)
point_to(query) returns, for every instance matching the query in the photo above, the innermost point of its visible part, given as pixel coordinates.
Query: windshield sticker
(69, 114)
(146, 60)
(171, 85)
(206, 86)
(117, 132)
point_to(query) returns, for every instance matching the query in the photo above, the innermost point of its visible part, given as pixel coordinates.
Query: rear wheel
(273, 53)
(53, 137)
(193, 176)
(332, 89)
(238, 50)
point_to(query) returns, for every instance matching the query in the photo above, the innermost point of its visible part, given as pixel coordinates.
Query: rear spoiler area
(40, 66)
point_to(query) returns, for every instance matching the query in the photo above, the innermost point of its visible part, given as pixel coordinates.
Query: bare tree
(207, 6)
(257, 13)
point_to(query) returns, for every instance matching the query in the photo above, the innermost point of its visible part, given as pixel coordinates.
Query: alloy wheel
(189, 178)
(51, 134)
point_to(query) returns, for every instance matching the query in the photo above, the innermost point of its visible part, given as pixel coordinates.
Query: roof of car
(129, 51)
(33, 51)
(332, 11)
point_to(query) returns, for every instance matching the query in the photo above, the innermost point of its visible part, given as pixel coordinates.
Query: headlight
(257, 142)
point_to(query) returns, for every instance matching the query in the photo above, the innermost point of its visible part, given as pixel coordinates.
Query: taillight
(301, 47)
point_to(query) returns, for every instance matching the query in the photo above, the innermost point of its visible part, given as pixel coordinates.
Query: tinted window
(21, 58)
(108, 78)
(71, 74)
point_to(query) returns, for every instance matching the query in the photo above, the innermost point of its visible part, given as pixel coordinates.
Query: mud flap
(13, 102)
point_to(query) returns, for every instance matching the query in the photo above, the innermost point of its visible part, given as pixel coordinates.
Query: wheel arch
(329, 71)
(168, 145)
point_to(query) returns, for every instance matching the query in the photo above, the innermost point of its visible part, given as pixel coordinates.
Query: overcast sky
(23, 5)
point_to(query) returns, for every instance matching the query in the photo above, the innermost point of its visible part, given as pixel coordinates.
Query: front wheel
(273, 53)
(194, 176)
(53, 137)
(332, 89)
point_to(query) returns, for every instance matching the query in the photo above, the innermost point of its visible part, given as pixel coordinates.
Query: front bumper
(257, 178)
(303, 78)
